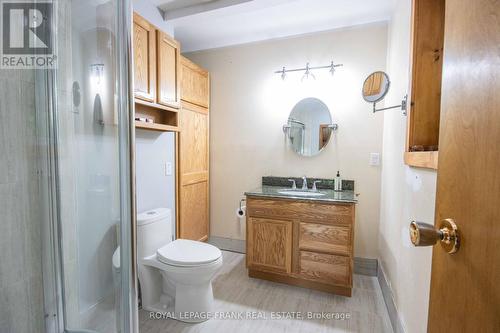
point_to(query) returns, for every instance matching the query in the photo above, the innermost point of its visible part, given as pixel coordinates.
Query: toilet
(175, 275)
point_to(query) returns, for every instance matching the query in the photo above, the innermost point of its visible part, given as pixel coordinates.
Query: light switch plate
(374, 159)
(168, 169)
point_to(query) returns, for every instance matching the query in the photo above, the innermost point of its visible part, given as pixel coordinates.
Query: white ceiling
(205, 24)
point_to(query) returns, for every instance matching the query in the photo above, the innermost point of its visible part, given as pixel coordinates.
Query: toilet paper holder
(241, 210)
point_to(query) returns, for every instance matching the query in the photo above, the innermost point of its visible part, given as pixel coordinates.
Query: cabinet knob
(424, 234)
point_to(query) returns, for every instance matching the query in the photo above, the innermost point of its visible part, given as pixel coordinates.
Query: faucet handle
(304, 183)
(314, 185)
(294, 185)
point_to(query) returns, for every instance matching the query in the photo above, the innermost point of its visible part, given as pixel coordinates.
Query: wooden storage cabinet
(168, 70)
(156, 76)
(144, 59)
(195, 83)
(425, 91)
(309, 244)
(194, 215)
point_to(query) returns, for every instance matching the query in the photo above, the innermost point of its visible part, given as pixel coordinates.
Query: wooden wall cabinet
(193, 219)
(160, 76)
(195, 83)
(144, 60)
(156, 77)
(168, 70)
(425, 91)
(308, 244)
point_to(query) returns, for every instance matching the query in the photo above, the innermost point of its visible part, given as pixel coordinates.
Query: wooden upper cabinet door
(269, 244)
(168, 70)
(195, 83)
(144, 59)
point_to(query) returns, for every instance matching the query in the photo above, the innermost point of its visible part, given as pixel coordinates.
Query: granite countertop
(330, 195)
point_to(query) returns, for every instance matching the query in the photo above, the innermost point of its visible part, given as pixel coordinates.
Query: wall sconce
(308, 70)
(96, 73)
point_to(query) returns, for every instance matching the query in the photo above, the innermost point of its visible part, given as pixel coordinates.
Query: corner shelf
(156, 127)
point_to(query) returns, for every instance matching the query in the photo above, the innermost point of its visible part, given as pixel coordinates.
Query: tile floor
(235, 292)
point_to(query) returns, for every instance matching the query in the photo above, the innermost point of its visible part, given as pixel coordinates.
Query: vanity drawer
(335, 239)
(326, 268)
(303, 211)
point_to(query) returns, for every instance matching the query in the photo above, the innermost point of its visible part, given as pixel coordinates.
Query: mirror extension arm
(403, 106)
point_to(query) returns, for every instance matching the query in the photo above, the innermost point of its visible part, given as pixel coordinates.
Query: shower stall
(67, 181)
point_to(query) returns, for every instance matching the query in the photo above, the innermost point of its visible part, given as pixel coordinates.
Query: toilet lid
(183, 252)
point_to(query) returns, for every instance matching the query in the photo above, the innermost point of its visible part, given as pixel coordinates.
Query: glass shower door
(88, 236)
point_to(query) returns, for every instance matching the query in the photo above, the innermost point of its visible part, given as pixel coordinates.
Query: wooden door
(168, 70)
(465, 293)
(195, 83)
(144, 59)
(269, 244)
(193, 173)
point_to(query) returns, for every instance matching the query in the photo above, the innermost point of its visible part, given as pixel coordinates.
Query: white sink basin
(301, 193)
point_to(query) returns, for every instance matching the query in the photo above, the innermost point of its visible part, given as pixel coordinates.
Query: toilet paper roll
(241, 212)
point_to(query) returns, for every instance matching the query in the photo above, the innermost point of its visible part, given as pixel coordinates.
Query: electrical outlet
(374, 159)
(168, 169)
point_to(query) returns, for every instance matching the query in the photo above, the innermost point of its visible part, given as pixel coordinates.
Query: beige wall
(249, 105)
(407, 193)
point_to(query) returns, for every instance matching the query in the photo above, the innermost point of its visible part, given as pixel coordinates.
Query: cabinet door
(195, 83)
(144, 59)
(168, 70)
(269, 244)
(193, 174)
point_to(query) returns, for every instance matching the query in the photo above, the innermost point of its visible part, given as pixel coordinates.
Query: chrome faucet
(304, 183)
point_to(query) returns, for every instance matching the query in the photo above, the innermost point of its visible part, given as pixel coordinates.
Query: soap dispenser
(338, 182)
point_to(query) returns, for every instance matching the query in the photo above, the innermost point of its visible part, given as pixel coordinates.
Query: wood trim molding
(422, 159)
(193, 107)
(155, 105)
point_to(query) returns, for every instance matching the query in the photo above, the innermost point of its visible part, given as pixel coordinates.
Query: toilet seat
(188, 253)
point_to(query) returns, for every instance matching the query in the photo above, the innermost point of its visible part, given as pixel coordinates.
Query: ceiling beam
(171, 14)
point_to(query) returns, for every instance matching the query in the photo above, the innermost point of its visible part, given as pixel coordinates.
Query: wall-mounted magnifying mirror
(309, 127)
(375, 87)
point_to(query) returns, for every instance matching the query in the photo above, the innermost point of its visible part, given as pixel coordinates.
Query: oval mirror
(376, 86)
(309, 126)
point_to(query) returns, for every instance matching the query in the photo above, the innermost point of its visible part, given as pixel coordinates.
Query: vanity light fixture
(308, 74)
(332, 68)
(283, 73)
(308, 70)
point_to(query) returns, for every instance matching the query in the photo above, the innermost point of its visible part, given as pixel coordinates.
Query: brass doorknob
(424, 234)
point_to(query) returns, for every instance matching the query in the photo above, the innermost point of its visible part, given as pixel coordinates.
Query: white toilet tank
(154, 230)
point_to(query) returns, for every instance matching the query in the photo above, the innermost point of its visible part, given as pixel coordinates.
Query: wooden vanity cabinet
(308, 244)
